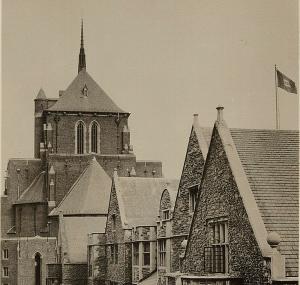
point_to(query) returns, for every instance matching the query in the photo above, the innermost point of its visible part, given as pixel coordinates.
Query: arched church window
(38, 267)
(94, 131)
(80, 137)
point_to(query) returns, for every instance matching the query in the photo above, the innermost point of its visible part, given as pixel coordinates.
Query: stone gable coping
(243, 186)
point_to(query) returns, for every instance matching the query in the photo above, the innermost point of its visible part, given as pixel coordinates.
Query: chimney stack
(220, 114)
(195, 120)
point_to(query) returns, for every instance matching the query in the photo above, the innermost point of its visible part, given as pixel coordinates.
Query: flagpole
(276, 98)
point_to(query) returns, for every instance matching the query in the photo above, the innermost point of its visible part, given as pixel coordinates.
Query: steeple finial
(81, 63)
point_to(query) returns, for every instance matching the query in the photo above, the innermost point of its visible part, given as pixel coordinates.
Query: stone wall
(11, 262)
(74, 274)
(116, 235)
(220, 197)
(26, 261)
(191, 175)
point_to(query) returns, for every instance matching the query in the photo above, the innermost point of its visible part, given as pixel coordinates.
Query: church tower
(80, 139)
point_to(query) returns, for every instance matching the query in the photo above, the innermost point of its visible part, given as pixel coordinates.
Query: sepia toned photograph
(149, 142)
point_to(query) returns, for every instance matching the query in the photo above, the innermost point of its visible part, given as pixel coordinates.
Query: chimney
(195, 121)
(220, 114)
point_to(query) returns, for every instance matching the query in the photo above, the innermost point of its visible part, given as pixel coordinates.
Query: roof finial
(81, 63)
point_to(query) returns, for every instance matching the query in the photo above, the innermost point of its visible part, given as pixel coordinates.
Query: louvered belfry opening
(94, 136)
(80, 138)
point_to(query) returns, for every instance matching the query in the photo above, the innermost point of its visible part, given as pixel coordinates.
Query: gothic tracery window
(80, 138)
(94, 137)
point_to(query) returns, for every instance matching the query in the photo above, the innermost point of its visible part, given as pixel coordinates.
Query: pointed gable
(250, 181)
(89, 194)
(85, 95)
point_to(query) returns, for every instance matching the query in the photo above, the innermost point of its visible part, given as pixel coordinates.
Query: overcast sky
(162, 61)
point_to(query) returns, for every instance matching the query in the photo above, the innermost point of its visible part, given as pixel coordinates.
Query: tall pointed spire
(81, 63)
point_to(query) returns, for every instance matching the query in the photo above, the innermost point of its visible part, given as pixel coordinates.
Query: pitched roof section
(74, 99)
(141, 195)
(89, 194)
(34, 193)
(270, 159)
(41, 94)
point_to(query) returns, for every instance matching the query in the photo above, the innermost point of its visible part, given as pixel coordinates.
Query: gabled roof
(139, 198)
(96, 100)
(270, 159)
(89, 194)
(34, 193)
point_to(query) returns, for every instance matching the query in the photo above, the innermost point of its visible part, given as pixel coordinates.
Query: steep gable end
(85, 95)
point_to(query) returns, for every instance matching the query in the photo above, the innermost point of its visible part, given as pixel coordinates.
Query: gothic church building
(53, 201)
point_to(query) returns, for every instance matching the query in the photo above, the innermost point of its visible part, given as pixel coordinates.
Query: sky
(162, 61)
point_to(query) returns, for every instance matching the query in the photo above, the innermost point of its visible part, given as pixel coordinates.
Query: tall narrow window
(113, 222)
(162, 252)
(94, 137)
(38, 267)
(5, 253)
(193, 193)
(146, 253)
(135, 246)
(80, 138)
(5, 271)
(34, 221)
(216, 255)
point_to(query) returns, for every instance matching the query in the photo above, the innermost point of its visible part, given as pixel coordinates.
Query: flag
(285, 83)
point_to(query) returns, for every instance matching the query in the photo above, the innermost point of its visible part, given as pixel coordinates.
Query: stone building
(131, 236)
(79, 139)
(245, 226)
(192, 171)
(164, 233)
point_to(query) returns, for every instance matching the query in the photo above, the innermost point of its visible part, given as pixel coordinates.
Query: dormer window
(85, 91)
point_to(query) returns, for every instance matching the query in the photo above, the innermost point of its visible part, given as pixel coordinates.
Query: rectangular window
(193, 194)
(114, 252)
(113, 222)
(5, 253)
(135, 249)
(166, 215)
(162, 252)
(5, 271)
(146, 253)
(216, 255)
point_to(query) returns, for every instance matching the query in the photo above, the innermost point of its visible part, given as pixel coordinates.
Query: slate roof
(34, 193)
(89, 194)
(140, 198)
(270, 159)
(73, 99)
(76, 230)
